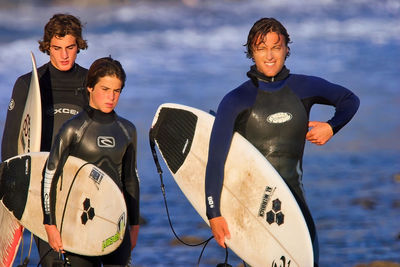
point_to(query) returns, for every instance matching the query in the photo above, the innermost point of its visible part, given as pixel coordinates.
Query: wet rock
(366, 203)
(187, 239)
(379, 264)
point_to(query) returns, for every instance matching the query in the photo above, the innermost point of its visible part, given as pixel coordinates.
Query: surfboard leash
(160, 173)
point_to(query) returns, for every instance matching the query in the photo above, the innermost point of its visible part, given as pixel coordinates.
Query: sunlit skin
(269, 57)
(63, 52)
(270, 54)
(105, 94)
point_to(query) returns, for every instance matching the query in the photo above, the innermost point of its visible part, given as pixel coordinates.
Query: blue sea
(191, 52)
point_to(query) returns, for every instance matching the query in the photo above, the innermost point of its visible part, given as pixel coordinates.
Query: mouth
(64, 62)
(269, 64)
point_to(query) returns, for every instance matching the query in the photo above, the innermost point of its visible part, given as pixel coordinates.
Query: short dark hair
(260, 29)
(102, 67)
(61, 25)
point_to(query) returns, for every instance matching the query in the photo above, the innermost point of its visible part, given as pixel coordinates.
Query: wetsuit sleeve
(9, 145)
(315, 90)
(55, 163)
(130, 180)
(221, 136)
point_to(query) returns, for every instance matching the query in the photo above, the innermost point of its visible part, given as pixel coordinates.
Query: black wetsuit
(109, 142)
(273, 114)
(63, 95)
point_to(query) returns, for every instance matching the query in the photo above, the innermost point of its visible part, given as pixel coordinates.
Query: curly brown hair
(61, 25)
(260, 29)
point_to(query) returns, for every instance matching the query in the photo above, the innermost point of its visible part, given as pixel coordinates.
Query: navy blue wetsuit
(273, 114)
(82, 137)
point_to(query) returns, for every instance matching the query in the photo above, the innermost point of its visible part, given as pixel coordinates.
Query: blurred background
(191, 52)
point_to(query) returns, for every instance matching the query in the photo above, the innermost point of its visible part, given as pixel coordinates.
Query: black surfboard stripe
(14, 185)
(173, 132)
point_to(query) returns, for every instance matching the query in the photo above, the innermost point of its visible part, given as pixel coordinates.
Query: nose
(111, 95)
(269, 54)
(64, 53)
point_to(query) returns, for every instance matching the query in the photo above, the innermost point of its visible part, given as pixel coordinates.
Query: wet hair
(260, 29)
(61, 25)
(102, 67)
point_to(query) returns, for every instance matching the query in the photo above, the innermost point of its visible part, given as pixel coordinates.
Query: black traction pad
(174, 132)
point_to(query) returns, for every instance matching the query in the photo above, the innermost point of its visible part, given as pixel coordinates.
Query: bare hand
(220, 230)
(134, 232)
(54, 238)
(320, 132)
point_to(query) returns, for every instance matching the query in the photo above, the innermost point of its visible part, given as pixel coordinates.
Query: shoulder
(80, 69)
(127, 125)
(77, 122)
(26, 78)
(240, 93)
(241, 96)
(308, 80)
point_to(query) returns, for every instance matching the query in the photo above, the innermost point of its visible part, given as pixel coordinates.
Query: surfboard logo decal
(96, 175)
(88, 212)
(121, 225)
(282, 262)
(268, 192)
(280, 117)
(275, 215)
(11, 105)
(26, 133)
(106, 141)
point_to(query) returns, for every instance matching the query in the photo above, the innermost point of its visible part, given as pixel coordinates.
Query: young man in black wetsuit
(80, 137)
(63, 94)
(271, 110)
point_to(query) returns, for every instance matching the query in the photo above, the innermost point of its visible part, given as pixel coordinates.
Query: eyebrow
(68, 46)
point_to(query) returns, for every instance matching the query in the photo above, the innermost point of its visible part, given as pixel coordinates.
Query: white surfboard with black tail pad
(266, 224)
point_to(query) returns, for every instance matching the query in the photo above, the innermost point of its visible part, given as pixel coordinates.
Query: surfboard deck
(90, 209)
(266, 224)
(29, 139)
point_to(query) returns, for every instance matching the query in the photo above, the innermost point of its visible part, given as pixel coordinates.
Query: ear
(90, 89)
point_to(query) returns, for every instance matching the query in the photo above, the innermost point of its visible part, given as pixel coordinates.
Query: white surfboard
(31, 125)
(29, 139)
(266, 224)
(90, 208)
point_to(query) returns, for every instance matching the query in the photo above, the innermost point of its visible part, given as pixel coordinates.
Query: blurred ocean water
(191, 52)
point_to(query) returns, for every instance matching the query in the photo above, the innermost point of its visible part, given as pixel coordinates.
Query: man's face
(270, 54)
(63, 51)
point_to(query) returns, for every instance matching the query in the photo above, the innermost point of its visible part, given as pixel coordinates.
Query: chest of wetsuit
(276, 125)
(63, 96)
(103, 139)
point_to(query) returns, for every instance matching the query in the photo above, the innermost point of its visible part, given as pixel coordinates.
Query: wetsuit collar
(255, 75)
(54, 70)
(100, 116)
